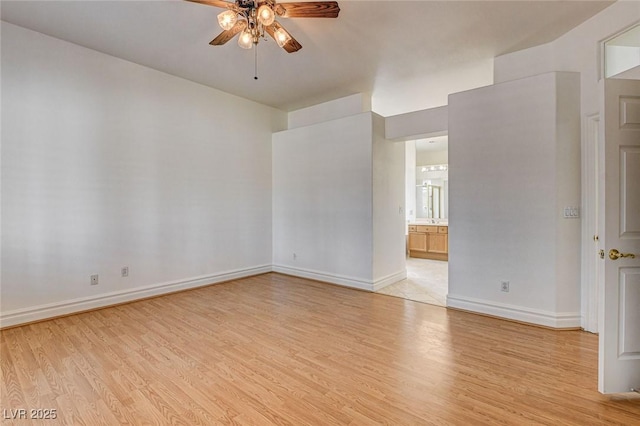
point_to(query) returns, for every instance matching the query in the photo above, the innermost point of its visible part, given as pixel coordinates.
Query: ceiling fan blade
(291, 46)
(311, 9)
(227, 35)
(216, 3)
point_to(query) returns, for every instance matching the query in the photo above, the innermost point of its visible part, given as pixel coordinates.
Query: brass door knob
(615, 255)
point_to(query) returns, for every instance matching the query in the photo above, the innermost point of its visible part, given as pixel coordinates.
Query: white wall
(412, 125)
(430, 158)
(578, 51)
(389, 243)
(568, 192)
(337, 108)
(330, 202)
(322, 198)
(514, 163)
(410, 93)
(410, 182)
(106, 163)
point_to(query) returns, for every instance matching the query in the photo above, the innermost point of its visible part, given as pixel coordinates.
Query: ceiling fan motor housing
(246, 4)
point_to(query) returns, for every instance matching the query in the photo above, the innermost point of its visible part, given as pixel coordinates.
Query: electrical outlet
(124, 271)
(504, 286)
(94, 279)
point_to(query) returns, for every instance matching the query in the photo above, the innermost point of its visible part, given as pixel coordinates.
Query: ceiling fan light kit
(266, 15)
(227, 19)
(253, 18)
(245, 40)
(281, 36)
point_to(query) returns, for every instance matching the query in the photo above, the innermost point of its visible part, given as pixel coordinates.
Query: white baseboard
(389, 279)
(517, 313)
(52, 310)
(342, 280)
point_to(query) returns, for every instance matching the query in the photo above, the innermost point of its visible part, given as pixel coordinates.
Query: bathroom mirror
(432, 184)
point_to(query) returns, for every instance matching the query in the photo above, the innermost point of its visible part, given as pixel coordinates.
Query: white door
(619, 357)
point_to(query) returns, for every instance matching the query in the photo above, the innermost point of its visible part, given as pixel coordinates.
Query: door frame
(590, 274)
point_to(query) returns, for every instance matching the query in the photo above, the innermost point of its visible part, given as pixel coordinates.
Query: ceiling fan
(253, 18)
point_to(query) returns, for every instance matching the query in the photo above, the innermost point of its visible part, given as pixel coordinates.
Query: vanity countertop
(429, 222)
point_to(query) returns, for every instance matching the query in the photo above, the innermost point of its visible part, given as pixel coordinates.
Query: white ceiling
(437, 143)
(408, 54)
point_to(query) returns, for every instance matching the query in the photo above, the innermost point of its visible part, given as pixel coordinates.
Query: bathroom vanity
(429, 241)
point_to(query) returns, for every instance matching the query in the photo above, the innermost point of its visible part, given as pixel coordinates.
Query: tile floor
(427, 281)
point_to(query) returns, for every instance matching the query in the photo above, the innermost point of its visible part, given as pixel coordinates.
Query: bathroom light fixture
(435, 168)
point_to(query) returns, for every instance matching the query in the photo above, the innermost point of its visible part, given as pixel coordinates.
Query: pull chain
(255, 57)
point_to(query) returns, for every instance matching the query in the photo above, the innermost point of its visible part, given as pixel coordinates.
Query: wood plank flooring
(274, 349)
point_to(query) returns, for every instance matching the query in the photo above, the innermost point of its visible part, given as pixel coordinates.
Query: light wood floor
(279, 350)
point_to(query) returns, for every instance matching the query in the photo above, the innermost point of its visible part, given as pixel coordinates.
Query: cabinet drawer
(412, 228)
(443, 229)
(427, 229)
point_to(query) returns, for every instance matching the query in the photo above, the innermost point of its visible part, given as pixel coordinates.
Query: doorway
(618, 204)
(427, 205)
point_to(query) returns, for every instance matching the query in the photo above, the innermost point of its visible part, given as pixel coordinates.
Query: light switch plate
(571, 212)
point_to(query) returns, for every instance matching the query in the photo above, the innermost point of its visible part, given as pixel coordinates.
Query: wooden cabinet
(417, 242)
(429, 241)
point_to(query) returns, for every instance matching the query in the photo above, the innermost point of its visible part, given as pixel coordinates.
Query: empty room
(206, 204)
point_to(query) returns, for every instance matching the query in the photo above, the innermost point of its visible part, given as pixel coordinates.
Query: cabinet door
(438, 243)
(417, 242)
